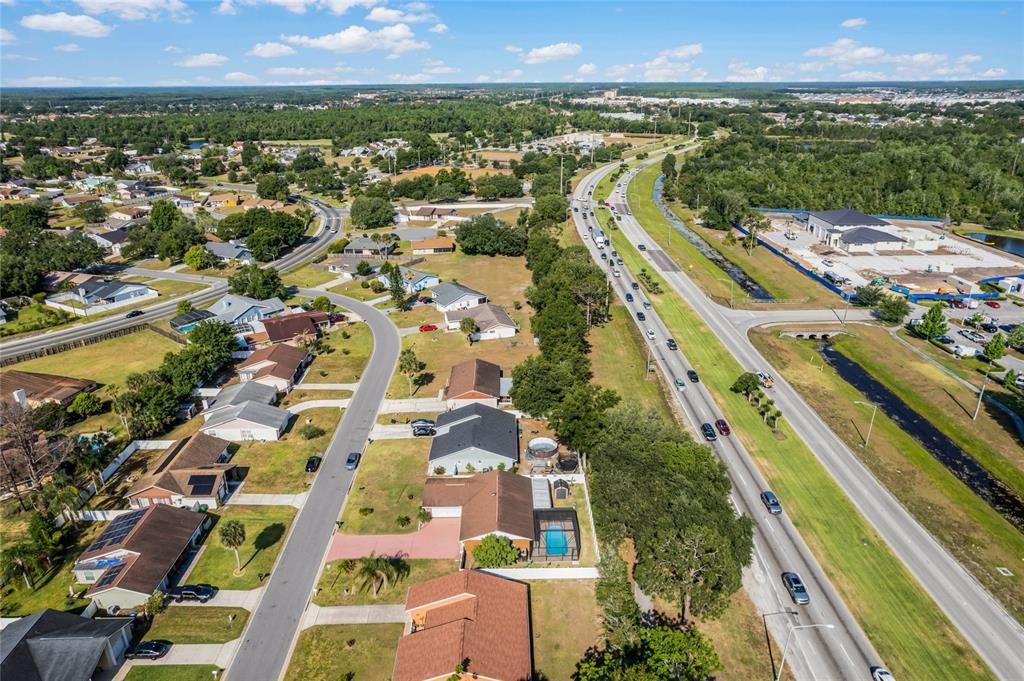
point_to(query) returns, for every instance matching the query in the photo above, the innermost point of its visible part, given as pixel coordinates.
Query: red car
(428, 327)
(722, 426)
(992, 303)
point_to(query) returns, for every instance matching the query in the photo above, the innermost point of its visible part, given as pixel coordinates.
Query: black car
(636, 286)
(193, 592)
(352, 461)
(150, 650)
(945, 340)
(313, 464)
(641, 317)
(989, 327)
(423, 431)
(671, 344)
(692, 375)
(771, 502)
(422, 422)
(134, 313)
(642, 247)
(709, 432)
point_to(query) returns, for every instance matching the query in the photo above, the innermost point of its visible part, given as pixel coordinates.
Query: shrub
(403, 520)
(439, 470)
(494, 551)
(311, 432)
(365, 511)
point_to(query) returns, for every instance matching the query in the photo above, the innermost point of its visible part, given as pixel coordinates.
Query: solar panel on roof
(202, 484)
(116, 531)
(110, 575)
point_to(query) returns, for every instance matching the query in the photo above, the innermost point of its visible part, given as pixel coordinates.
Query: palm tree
(65, 496)
(232, 536)
(377, 572)
(19, 560)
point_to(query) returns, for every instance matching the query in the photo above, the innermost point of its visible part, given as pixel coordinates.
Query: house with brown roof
(137, 553)
(194, 471)
(474, 380)
(78, 200)
(470, 619)
(216, 201)
(32, 389)
(497, 502)
(293, 328)
(435, 246)
(278, 366)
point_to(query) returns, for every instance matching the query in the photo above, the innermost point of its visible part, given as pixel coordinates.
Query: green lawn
(578, 501)
(198, 624)
(352, 289)
(337, 587)
(299, 395)
(265, 530)
(280, 467)
(169, 288)
(390, 481)
(307, 276)
(886, 600)
(738, 637)
(343, 359)
(405, 417)
(35, 318)
(108, 361)
(975, 533)
(503, 279)
(361, 652)
(415, 316)
(565, 621)
(50, 587)
(172, 672)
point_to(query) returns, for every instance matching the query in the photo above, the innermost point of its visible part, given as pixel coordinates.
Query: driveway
(439, 539)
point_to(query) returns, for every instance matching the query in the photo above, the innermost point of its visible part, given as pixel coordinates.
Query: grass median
(887, 601)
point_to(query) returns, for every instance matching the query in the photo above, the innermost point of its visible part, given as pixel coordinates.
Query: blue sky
(241, 42)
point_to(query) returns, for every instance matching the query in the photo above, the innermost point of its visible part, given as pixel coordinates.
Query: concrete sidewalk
(243, 499)
(318, 404)
(399, 431)
(227, 598)
(413, 405)
(352, 614)
(326, 386)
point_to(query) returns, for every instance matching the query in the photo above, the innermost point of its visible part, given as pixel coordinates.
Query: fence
(798, 211)
(58, 348)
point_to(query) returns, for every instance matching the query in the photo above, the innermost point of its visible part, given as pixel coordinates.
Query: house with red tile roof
(278, 366)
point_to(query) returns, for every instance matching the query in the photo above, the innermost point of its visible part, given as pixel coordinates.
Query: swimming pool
(557, 541)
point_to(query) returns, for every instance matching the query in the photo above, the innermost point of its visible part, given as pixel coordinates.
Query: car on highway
(616, 273)
(647, 305)
(650, 334)
(629, 297)
(635, 286)
(671, 344)
(771, 502)
(428, 327)
(692, 375)
(192, 592)
(723, 427)
(352, 462)
(641, 317)
(795, 586)
(134, 313)
(150, 650)
(615, 254)
(641, 247)
(992, 303)
(422, 422)
(709, 432)
(313, 464)
(680, 384)
(423, 431)
(618, 261)
(604, 256)
(881, 674)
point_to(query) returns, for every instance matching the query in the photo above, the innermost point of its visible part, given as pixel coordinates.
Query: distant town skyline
(63, 43)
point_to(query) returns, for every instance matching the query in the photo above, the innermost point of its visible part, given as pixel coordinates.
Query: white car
(881, 674)
(650, 334)
(616, 273)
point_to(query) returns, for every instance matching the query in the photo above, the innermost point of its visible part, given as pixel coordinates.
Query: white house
(99, 292)
(113, 240)
(140, 168)
(449, 296)
(247, 421)
(413, 281)
(474, 438)
(492, 321)
(241, 311)
(230, 251)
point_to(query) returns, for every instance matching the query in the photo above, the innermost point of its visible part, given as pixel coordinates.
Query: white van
(964, 351)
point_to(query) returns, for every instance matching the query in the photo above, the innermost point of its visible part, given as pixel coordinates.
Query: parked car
(313, 464)
(650, 334)
(795, 586)
(709, 432)
(150, 650)
(992, 303)
(881, 674)
(425, 299)
(641, 317)
(428, 327)
(723, 427)
(680, 384)
(692, 375)
(416, 423)
(957, 303)
(629, 297)
(989, 327)
(423, 431)
(945, 340)
(192, 592)
(135, 313)
(771, 502)
(352, 461)
(671, 344)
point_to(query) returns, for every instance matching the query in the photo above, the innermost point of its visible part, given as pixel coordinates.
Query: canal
(707, 250)
(993, 491)
(1010, 244)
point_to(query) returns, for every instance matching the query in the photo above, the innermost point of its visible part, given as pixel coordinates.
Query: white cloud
(390, 15)
(812, 67)
(992, 73)
(587, 68)
(135, 10)
(541, 55)
(297, 71)
(11, 56)
(270, 50)
(857, 22)
(47, 81)
(514, 49)
(508, 76)
(438, 28)
(864, 75)
(62, 22)
(572, 78)
(683, 51)
(240, 77)
(848, 51)
(173, 49)
(410, 78)
(394, 39)
(109, 80)
(619, 71)
(741, 72)
(300, 6)
(6, 37)
(969, 59)
(227, 8)
(672, 64)
(68, 47)
(202, 60)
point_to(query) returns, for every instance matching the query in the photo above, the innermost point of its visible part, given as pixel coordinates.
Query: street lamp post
(981, 395)
(767, 636)
(785, 649)
(874, 410)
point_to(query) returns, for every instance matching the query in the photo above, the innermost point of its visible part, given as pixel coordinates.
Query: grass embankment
(977, 535)
(345, 651)
(279, 467)
(172, 672)
(343, 359)
(198, 624)
(390, 483)
(337, 587)
(265, 531)
(886, 600)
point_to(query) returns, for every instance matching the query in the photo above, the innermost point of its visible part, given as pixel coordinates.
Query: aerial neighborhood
(563, 380)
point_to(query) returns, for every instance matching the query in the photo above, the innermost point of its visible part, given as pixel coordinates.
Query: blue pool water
(558, 543)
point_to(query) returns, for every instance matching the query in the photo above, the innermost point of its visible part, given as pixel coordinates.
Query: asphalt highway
(984, 623)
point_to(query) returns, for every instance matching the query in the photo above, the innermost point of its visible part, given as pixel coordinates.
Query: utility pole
(871, 425)
(561, 171)
(785, 649)
(981, 395)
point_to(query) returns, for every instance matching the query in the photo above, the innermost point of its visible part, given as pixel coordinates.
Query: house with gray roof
(362, 245)
(241, 311)
(474, 438)
(413, 281)
(101, 292)
(230, 251)
(828, 225)
(111, 240)
(869, 240)
(51, 645)
(239, 393)
(247, 421)
(450, 296)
